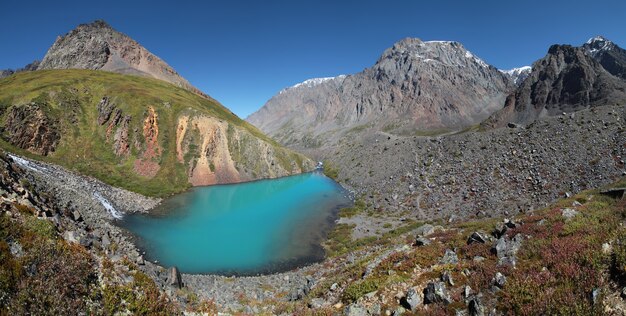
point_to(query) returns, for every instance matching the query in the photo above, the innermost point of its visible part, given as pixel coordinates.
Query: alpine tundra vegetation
(429, 183)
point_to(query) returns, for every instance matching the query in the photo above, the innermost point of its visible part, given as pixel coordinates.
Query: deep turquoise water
(248, 228)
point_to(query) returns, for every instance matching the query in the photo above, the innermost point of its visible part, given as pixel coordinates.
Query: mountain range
(414, 86)
(426, 88)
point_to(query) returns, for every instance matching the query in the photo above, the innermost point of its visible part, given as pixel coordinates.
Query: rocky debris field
(483, 173)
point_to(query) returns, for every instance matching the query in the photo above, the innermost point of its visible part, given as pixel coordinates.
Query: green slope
(69, 100)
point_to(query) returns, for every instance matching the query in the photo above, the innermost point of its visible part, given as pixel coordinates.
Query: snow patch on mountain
(518, 74)
(313, 82)
(598, 44)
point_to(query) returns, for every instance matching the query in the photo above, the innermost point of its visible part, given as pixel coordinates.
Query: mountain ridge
(567, 79)
(413, 85)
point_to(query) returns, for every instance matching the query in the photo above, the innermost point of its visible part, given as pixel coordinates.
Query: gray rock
(355, 309)
(425, 230)
(412, 300)
(334, 287)
(106, 242)
(175, 278)
(449, 257)
(71, 236)
(499, 230)
(467, 291)
(435, 292)
(475, 307)
(76, 216)
(446, 277)
(506, 249)
(569, 213)
(422, 241)
(595, 295)
(16, 249)
(499, 280)
(477, 237)
(317, 303)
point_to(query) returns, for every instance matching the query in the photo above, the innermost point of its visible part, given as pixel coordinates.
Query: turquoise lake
(241, 229)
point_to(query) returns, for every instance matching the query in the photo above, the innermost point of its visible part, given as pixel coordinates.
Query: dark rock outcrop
(608, 54)
(29, 127)
(435, 292)
(567, 79)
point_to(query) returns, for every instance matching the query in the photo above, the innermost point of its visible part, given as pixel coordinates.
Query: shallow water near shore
(241, 229)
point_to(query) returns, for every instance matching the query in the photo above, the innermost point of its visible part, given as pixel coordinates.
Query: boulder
(499, 230)
(355, 309)
(477, 237)
(317, 303)
(569, 213)
(506, 249)
(76, 216)
(175, 278)
(422, 241)
(475, 307)
(499, 280)
(425, 230)
(447, 278)
(435, 292)
(412, 300)
(449, 257)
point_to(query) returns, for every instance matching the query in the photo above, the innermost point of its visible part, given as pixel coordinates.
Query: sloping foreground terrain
(137, 133)
(59, 255)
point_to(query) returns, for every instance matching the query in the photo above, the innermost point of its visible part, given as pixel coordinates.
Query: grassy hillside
(68, 100)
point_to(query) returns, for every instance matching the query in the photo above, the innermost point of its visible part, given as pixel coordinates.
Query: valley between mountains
(475, 190)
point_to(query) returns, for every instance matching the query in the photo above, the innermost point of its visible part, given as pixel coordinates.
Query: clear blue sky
(243, 52)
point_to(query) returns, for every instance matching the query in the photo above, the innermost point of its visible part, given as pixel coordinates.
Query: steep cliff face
(413, 86)
(157, 140)
(567, 79)
(97, 46)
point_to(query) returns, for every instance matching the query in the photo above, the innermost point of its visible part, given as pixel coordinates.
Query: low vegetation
(42, 274)
(69, 99)
(566, 265)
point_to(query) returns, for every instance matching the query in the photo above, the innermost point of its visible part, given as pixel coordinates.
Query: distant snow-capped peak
(429, 51)
(312, 82)
(518, 74)
(598, 44)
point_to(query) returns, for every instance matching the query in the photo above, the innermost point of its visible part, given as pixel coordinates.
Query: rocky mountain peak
(414, 86)
(567, 79)
(98, 46)
(97, 24)
(450, 53)
(608, 54)
(599, 43)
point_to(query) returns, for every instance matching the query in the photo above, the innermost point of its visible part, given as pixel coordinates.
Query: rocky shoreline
(88, 222)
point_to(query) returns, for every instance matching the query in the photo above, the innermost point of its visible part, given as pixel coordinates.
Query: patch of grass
(330, 170)
(358, 207)
(356, 290)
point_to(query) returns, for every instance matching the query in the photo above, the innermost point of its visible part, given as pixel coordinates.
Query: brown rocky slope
(97, 46)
